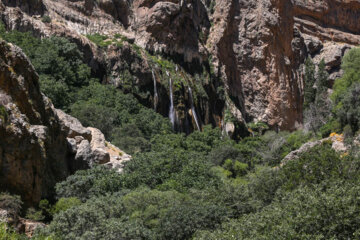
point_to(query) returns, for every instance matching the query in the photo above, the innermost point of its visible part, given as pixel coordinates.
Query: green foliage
(130, 139)
(236, 168)
(212, 6)
(64, 204)
(310, 79)
(3, 114)
(350, 65)
(141, 214)
(99, 40)
(7, 233)
(119, 116)
(333, 125)
(223, 152)
(34, 214)
(346, 92)
(11, 203)
(258, 128)
(307, 213)
(321, 78)
(205, 184)
(320, 164)
(57, 61)
(349, 113)
(86, 184)
(317, 103)
(46, 19)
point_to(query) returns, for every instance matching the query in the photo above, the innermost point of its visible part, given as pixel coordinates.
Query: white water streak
(193, 109)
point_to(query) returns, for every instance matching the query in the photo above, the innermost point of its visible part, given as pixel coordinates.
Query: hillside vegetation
(204, 185)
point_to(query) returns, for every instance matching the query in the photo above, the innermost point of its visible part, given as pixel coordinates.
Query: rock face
(336, 140)
(21, 225)
(39, 145)
(257, 47)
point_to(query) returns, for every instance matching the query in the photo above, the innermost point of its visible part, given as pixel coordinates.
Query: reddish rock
(257, 46)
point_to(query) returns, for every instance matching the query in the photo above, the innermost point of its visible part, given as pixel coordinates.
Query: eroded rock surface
(258, 47)
(336, 140)
(39, 145)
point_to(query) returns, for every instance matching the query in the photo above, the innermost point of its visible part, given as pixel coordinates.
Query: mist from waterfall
(156, 96)
(193, 109)
(172, 109)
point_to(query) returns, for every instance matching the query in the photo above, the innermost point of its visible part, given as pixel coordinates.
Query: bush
(221, 153)
(350, 65)
(313, 167)
(99, 40)
(310, 79)
(64, 204)
(141, 214)
(34, 214)
(11, 203)
(307, 213)
(7, 233)
(86, 184)
(58, 62)
(349, 113)
(46, 19)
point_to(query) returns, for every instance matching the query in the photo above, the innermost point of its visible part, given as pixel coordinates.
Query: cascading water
(193, 108)
(156, 96)
(172, 109)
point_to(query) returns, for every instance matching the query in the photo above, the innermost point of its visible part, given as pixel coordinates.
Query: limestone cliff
(257, 47)
(40, 145)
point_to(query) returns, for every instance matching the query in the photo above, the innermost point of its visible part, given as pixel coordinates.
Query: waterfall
(193, 109)
(156, 96)
(172, 109)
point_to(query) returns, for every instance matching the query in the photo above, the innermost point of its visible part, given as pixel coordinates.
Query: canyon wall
(256, 47)
(41, 145)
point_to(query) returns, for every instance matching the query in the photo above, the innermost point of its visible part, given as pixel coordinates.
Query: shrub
(64, 204)
(223, 152)
(99, 40)
(7, 233)
(349, 113)
(11, 203)
(310, 79)
(34, 214)
(46, 19)
(313, 167)
(86, 184)
(306, 213)
(350, 65)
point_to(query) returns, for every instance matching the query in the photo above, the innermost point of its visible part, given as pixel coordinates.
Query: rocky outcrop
(179, 27)
(21, 225)
(258, 47)
(336, 140)
(39, 145)
(252, 42)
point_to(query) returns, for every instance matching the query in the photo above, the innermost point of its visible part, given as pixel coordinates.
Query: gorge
(180, 119)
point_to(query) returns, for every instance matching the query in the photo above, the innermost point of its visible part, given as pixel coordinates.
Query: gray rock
(72, 146)
(83, 157)
(73, 126)
(313, 44)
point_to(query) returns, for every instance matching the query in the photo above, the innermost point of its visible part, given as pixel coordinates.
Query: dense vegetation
(204, 185)
(67, 81)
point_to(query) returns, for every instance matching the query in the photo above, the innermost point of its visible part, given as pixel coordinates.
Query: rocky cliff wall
(40, 145)
(256, 46)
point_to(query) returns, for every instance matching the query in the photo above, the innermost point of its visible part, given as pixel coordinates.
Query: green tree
(310, 79)
(349, 113)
